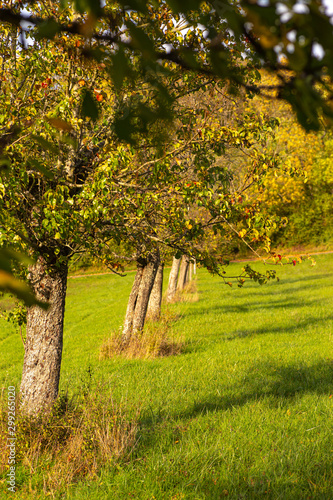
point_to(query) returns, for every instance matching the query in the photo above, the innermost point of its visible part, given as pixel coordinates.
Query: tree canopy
(140, 53)
(289, 38)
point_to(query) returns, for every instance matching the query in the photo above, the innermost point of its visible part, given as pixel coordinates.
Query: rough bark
(139, 297)
(146, 285)
(155, 299)
(128, 324)
(172, 284)
(183, 272)
(44, 340)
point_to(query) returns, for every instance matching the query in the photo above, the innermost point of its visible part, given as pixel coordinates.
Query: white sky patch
(328, 6)
(318, 51)
(301, 7)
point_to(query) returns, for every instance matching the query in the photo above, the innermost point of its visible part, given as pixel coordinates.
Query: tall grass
(73, 441)
(153, 341)
(245, 412)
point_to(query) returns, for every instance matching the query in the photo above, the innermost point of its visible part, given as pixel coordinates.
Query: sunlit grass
(245, 412)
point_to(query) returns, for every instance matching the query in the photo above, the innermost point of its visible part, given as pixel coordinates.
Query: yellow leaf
(60, 124)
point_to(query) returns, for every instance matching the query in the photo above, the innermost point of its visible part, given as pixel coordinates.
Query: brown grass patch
(153, 342)
(75, 440)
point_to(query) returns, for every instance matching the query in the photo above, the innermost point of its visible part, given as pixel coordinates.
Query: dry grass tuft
(188, 294)
(75, 440)
(153, 342)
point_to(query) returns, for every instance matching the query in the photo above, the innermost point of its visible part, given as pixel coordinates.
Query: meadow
(244, 412)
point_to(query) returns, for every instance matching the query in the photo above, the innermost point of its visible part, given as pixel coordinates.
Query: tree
(55, 198)
(218, 39)
(140, 294)
(72, 187)
(198, 173)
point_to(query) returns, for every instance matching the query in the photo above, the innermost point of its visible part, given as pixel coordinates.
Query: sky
(329, 5)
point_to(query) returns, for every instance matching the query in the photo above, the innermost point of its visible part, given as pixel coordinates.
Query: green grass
(244, 413)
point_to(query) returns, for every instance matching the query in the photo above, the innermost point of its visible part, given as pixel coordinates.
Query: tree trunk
(183, 272)
(172, 284)
(155, 299)
(139, 297)
(43, 347)
(128, 324)
(191, 271)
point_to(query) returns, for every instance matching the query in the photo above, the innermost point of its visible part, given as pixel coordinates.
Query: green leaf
(48, 29)
(38, 166)
(123, 126)
(89, 108)
(9, 283)
(184, 5)
(120, 68)
(189, 57)
(45, 144)
(298, 58)
(4, 163)
(92, 6)
(141, 41)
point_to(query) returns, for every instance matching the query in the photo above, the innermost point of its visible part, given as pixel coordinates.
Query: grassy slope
(245, 412)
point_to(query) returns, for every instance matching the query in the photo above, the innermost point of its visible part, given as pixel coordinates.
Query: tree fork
(44, 340)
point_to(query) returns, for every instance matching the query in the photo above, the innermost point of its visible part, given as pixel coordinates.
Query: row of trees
(109, 143)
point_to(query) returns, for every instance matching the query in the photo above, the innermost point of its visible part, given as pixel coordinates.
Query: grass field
(245, 412)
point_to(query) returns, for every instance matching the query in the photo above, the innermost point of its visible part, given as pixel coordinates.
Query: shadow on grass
(263, 380)
(281, 303)
(249, 300)
(299, 325)
(285, 288)
(273, 381)
(279, 386)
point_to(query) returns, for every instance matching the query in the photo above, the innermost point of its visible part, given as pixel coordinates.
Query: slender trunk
(43, 347)
(187, 274)
(172, 285)
(139, 297)
(195, 267)
(146, 286)
(191, 271)
(128, 324)
(183, 272)
(155, 299)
